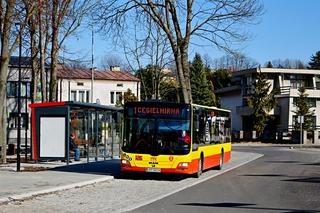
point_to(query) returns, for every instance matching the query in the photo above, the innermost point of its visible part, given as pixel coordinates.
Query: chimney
(115, 68)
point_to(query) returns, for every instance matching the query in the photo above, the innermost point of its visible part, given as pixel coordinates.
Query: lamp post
(92, 63)
(19, 101)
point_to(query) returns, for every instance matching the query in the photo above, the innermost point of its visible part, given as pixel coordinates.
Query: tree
(234, 62)
(169, 91)
(201, 93)
(66, 17)
(315, 61)
(261, 101)
(129, 96)
(288, 64)
(10, 13)
(269, 65)
(303, 108)
(214, 22)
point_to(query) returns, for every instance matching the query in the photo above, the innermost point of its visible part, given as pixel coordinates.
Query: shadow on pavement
(263, 175)
(283, 161)
(107, 167)
(152, 176)
(305, 180)
(247, 206)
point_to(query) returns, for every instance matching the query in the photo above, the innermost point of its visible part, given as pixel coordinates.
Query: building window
(87, 96)
(119, 85)
(311, 101)
(313, 120)
(112, 97)
(12, 89)
(80, 83)
(82, 96)
(13, 120)
(119, 97)
(73, 96)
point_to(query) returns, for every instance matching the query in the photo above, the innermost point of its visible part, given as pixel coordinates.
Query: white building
(12, 98)
(108, 86)
(287, 81)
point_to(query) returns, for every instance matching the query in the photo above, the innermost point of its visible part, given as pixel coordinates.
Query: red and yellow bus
(174, 138)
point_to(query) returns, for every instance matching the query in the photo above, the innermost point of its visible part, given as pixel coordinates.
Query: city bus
(176, 138)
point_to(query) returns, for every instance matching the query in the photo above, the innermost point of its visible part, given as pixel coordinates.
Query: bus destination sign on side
(157, 110)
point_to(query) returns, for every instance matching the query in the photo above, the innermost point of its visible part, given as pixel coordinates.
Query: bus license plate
(153, 170)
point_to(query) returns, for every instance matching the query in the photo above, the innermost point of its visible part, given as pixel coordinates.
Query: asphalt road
(283, 180)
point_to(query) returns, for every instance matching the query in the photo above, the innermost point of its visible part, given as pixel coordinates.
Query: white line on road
(138, 205)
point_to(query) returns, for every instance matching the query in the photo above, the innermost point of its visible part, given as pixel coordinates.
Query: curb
(138, 205)
(27, 195)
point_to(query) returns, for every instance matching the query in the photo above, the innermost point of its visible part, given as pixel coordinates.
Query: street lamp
(92, 63)
(19, 100)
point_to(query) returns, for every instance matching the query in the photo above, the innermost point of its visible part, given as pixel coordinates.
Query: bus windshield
(157, 136)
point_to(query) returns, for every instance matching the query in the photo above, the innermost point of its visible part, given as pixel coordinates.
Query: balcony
(287, 91)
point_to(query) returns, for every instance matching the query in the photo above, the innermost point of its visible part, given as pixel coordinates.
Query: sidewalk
(58, 177)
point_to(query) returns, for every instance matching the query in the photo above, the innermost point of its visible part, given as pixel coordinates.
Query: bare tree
(10, 13)
(110, 60)
(151, 48)
(213, 21)
(288, 64)
(66, 17)
(234, 62)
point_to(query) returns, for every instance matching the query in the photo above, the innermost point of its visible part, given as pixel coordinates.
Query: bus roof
(173, 103)
(211, 107)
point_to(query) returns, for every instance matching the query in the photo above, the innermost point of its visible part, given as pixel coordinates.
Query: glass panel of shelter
(93, 133)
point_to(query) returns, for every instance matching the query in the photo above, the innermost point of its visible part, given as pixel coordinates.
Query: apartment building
(287, 81)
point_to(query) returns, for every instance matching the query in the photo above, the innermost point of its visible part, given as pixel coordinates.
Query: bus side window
(196, 131)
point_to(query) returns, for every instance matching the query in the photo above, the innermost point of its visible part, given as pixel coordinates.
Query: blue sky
(289, 29)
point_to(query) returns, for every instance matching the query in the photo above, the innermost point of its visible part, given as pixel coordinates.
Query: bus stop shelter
(94, 129)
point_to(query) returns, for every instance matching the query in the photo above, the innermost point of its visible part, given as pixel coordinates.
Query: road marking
(138, 205)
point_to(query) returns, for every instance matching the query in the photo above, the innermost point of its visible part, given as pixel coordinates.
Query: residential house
(108, 86)
(12, 95)
(287, 81)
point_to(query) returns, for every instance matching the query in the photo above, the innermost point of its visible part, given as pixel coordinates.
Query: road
(283, 180)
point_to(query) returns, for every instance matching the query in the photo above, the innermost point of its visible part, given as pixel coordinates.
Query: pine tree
(315, 61)
(201, 93)
(303, 109)
(261, 101)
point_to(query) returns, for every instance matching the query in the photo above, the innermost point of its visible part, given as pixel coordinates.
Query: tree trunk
(5, 56)
(3, 105)
(54, 53)
(180, 74)
(34, 65)
(186, 71)
(42, 56)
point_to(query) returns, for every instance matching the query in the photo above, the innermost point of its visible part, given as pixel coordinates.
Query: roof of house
(82, 73)
(276, 71)
(25, 62)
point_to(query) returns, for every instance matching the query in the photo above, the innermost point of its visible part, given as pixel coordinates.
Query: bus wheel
(200, 168)
(221, 160)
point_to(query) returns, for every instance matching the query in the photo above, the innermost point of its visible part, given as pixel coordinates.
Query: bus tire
(221, 160)
(200, 167)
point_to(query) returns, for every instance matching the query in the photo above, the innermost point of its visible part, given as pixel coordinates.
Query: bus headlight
(183, 164)
(125, 162)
